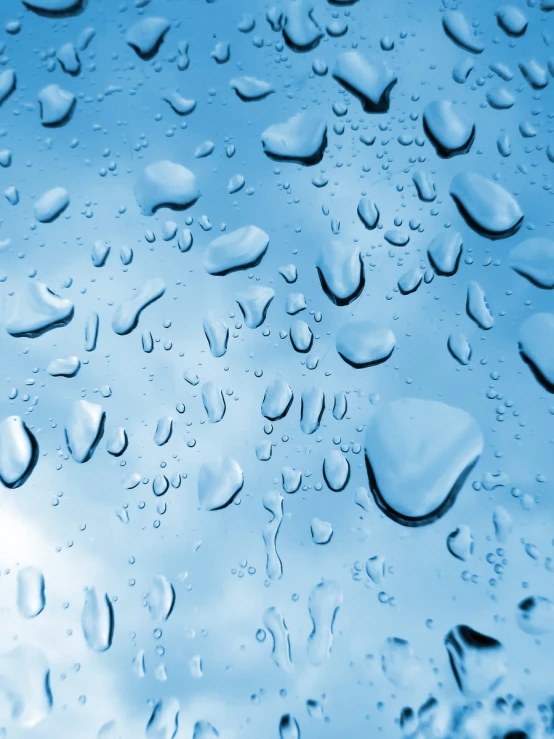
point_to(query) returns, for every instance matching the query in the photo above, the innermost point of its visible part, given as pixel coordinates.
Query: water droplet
(363, 343)
(323, 605)
(478, 661)
(97, 621)
(219, 482)
(237, 250)
(419, 453)
(18, 452)
(30, 592)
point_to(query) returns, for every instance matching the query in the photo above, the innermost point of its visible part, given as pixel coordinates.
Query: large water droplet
(165, 184)
(38, 311)
(312, 405)
(219, 481)
(323, 605)
(478, 661)
(445, 251)
(371, 81)
(280, 652)
(97, 621)
(56, 106)
(277, 400)
(399, 662)
(18, 452)
(336, 470)
(458, 28)
(51, 204)
(214, 402)
(477, 306)
(254, 303)
(300, 29)
(301, 139)
(30, 592)
(487, 207)
(25, 681)
(288, 727)
(127, 314)
(164, 720)
(449, 128)
(535, 615)
(363, 343)
(236, 250)
(251, 88)
(204, 730)
(273, 502)
(536, 345)
(161, 598)
(84, 429)
(146, 36)
(341, 271)
(534, 259)
(419, 453)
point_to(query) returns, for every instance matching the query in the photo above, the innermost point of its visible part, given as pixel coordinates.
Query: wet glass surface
(277, 352)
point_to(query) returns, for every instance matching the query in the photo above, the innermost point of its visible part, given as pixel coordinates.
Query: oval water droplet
(30, 592)
(161, 598)
(97, 621)
(312, 405)
(336, 470)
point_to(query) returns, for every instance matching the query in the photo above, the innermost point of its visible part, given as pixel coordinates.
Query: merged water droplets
(127, 314)
(37, 310)
(164, 720)
(323, 605)
(146, 36)
(371, 80)
(280, 653)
